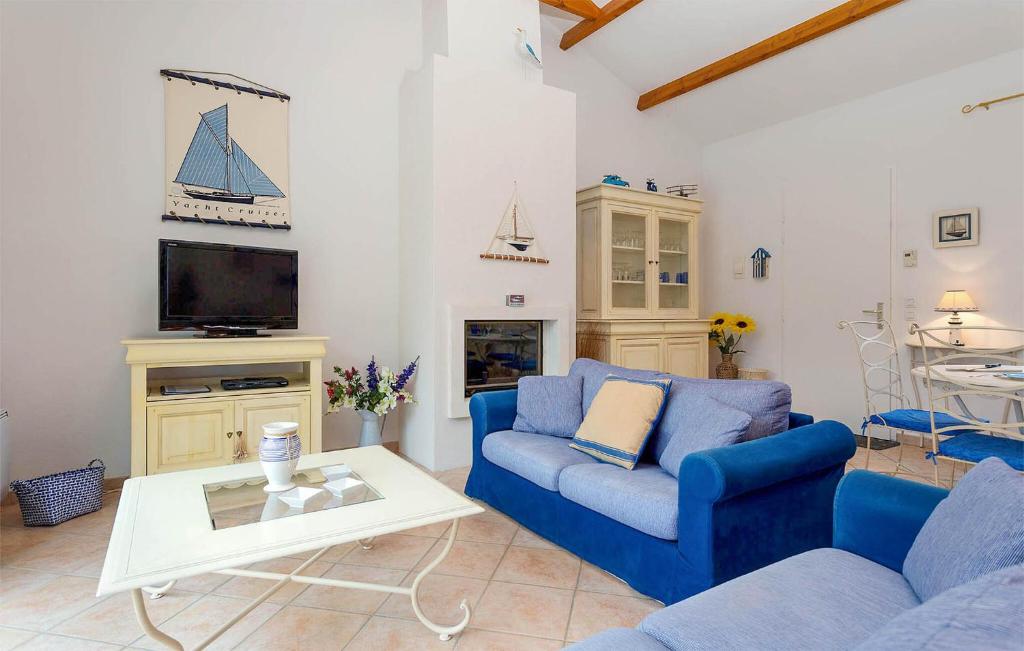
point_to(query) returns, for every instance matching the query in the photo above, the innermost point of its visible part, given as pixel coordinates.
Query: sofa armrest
(796, 419)
(878, 517)
(748, 505)
(492, 411)
(722, 473)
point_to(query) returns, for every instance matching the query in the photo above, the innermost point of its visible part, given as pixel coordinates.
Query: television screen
(224, 286)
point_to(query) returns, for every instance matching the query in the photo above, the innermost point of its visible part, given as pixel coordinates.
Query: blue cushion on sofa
(978, 529)
(821, 599)
(645, 498)
(537, 457)
(702, 423)
(549, 404)
(618, 639)
(986, 613)
(767, 402)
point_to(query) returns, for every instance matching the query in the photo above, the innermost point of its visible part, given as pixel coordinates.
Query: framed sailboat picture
(955, 228)
(226, 151)
(514, 240)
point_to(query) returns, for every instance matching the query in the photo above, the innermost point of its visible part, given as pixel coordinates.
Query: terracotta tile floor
(526, 593)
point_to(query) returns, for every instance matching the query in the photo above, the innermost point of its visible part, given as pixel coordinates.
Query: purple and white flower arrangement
(381, 391)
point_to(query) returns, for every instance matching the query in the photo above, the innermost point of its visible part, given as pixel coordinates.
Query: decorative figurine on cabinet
(527, 50)
(651, 186)
(615, 179)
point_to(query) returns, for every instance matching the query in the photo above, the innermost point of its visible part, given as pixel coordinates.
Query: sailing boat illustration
(515, 232)
(216, 168)
(957, 226)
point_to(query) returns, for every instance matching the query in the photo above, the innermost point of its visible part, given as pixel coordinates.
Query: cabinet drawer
(251, 414)
(686, 356)
(183, 436)
(644, 354)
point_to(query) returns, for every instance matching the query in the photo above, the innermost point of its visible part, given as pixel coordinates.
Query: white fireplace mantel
(558, 328)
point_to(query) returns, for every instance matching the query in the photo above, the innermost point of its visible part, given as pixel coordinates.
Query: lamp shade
(956, 300)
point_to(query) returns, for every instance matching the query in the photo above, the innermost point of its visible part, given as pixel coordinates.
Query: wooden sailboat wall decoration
(515, 240)
(226, 151)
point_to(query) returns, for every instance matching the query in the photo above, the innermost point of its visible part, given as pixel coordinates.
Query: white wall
(82, 170)
(612, 137)
(938, 158)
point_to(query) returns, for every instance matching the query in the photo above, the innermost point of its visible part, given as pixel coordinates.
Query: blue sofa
(852, 595)
(732, 510)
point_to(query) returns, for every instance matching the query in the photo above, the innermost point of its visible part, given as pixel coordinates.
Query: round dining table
(951, 377)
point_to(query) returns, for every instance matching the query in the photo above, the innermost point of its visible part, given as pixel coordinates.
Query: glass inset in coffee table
(177, 525)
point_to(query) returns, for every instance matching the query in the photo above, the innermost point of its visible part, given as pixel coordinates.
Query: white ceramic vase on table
(280, 449)
(369, 434)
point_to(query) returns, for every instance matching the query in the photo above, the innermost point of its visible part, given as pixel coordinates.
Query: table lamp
(955, 301)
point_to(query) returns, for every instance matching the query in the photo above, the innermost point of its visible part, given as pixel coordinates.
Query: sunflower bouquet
(727, 331)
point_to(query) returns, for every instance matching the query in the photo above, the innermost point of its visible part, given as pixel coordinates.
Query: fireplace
(498, 353)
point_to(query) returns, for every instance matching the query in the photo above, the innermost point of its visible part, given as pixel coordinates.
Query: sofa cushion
(618, 639)
(536, 457)
(986, 613)
(767, 402)
(645, 498)
(621, 419)
(821, 599)
(978, 529)
(549, 404)
(703, 423)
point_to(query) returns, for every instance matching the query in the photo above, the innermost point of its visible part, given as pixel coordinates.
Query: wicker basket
(46, 501)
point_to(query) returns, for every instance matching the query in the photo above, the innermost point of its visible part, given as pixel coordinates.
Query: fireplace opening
(498, 353)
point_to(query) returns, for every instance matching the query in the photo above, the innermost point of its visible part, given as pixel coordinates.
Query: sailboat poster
(226, 151)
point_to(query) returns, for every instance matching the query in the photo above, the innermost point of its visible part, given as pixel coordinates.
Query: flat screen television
(227, 290)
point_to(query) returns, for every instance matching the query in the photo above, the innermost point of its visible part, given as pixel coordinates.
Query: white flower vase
(280, 449)
(369, 434)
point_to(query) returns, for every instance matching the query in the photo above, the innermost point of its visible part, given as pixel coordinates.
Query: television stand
(210, 332)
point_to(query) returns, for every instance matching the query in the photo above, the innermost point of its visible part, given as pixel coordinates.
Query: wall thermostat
(515, 300)
(910, 257)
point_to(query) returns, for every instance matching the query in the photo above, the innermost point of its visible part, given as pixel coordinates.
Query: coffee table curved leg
(139, 602)
(443, 632)
(155, 592)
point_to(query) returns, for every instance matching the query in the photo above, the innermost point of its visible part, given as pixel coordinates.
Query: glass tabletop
(238, 503)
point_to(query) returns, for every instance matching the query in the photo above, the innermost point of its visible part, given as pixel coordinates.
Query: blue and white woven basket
(46, 501)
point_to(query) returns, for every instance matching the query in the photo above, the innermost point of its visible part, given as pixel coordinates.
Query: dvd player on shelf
(239, 384)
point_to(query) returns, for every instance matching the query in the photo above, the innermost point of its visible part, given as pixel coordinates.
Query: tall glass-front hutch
(638, 280)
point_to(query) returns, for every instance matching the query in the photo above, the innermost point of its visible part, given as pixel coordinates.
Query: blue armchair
(738, 508)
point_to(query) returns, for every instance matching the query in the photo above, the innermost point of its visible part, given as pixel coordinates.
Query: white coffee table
(163, 532)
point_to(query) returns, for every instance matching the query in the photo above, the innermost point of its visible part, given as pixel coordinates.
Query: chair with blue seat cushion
(645, 498)
(537, 457)
(986, 613)
(978, 529)
(947, 382)
(821, 599)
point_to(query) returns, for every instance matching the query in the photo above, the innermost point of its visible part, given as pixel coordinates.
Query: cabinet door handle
(230, 434)
(238, 433)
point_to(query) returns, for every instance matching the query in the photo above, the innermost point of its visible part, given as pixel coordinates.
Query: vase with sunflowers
(726, 332)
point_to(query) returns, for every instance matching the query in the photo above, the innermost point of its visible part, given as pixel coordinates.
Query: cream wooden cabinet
(638, 280)
(180, 432)
(636, 255)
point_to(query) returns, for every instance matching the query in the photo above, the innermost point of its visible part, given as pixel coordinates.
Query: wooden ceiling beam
(612, 10)
(581, 8)
(829, 21)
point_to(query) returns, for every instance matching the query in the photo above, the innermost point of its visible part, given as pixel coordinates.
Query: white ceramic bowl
(298, 496)
(339, 486)
(336, 472)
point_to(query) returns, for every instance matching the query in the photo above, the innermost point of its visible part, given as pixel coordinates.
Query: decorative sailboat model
(514, 236)
(216, 168)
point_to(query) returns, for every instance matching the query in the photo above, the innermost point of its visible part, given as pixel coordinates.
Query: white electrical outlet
(909, 257)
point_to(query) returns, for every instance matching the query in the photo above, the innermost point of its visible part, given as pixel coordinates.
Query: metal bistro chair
(947, 377)
(885, 404)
